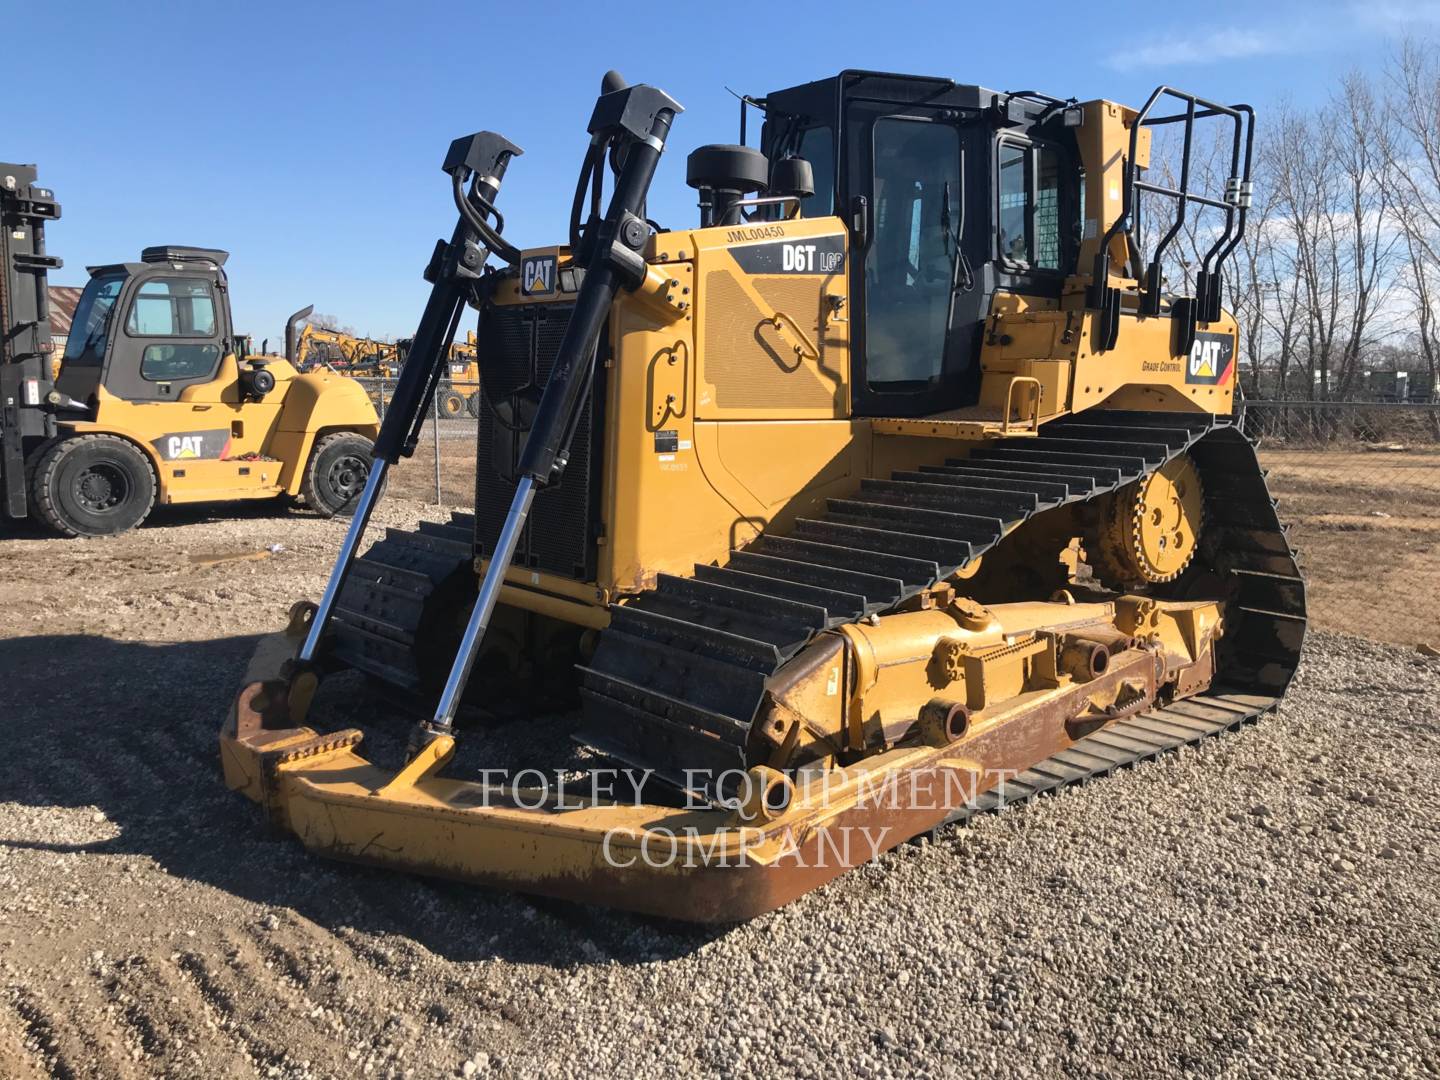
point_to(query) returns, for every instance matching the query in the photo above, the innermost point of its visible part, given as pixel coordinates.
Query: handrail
(1234, 202)
(783, 321)
(1033, 422)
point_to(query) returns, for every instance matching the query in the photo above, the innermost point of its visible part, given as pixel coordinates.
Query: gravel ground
(1264, 904)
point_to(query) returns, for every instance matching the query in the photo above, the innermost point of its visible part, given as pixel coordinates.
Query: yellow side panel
(1142, 372)
(774, 471)
(730, 413)
(723, 485)
(207, 481)
(771, 345)
(1057, 348)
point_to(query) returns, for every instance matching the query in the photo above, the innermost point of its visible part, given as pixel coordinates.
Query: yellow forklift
(156, 400)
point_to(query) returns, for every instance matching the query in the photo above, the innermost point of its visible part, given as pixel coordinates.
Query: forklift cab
(146, 331)
(950, 193)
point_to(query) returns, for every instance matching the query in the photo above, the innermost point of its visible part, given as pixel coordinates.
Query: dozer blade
(701, 863)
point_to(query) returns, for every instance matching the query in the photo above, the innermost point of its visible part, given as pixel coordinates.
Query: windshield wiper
(958, 262)
(962, 275)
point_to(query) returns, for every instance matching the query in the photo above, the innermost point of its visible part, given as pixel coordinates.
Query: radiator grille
(517, 347)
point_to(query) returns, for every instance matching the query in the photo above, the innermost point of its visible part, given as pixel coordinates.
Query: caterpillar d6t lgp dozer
(900, 488)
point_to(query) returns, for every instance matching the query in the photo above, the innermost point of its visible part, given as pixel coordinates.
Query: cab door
(913, 285)
(172, 335)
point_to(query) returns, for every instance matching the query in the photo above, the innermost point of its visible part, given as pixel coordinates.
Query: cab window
(1028, 234)
(1014, 214)
(1047, 254)
(91, 326)
(173, 363)
(172, 307)
(817, 146)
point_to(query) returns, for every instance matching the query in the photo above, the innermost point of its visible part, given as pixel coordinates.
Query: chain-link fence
(1359, 488)
(443, 467)
(1358, 484)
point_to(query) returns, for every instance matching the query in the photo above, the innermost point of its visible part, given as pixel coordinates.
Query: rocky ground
(1264, 904)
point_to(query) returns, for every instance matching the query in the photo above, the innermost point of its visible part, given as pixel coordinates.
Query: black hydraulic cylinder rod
(614, 262)
(418, 378)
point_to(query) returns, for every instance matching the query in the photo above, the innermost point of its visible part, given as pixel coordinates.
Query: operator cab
(951, 193)
(147, 330)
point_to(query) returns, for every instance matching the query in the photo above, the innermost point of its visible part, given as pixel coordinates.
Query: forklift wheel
(472, 405)
(336, 473)
(452, 404)
(93, 485)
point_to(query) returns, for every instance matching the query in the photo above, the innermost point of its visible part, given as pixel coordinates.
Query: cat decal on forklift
(193, 445)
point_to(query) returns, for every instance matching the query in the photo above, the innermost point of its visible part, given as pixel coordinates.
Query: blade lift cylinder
(453, 270)
(635, 120)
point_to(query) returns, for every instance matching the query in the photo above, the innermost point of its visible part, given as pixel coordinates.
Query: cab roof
(160, 254)
(180, 253)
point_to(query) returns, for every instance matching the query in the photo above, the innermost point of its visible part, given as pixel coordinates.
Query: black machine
(26, 348)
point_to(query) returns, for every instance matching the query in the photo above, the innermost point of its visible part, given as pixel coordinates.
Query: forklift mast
(25, 345)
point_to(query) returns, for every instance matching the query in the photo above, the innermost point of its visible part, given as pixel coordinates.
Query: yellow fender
(316, 404)
(130, 434)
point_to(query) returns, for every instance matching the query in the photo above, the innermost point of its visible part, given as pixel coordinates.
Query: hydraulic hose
(583, 184)
(489, 234)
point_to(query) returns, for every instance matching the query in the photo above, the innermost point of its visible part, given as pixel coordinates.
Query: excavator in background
(155, 398)
(901, 486)
(319, 346)
(365, 358)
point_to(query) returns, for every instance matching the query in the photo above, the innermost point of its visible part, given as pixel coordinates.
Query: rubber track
(677, 679)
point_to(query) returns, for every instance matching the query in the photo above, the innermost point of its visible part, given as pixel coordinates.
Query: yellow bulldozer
(901, 487)
(156, 399)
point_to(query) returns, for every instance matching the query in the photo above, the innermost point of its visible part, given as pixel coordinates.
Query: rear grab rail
(1233, 202)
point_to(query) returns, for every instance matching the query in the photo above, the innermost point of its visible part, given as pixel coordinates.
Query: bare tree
(1413, 175)
(1328, 170)
(1254, 288)
(1367, 224)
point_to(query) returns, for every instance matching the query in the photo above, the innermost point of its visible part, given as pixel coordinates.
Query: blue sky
(306, 139)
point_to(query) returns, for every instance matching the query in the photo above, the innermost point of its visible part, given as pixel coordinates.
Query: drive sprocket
(1149, 530)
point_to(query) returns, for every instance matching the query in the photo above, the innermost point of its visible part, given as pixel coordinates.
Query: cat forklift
(900, 487)
(156, 398)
